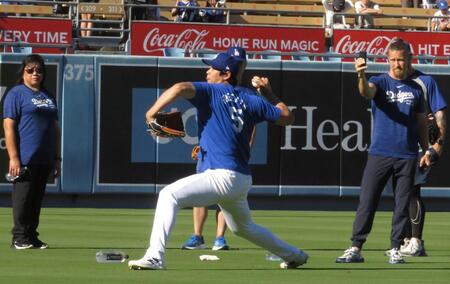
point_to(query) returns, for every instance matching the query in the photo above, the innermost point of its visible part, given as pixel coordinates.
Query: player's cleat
(406, 242)
(300, 259)
(350, 255)
(194, 242)
(146, 264)
(38, 244)
(21, 244)
(415, 247)
(220, 244)
(395, 257)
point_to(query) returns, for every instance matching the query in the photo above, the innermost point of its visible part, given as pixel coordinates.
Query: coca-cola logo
(187, 39)
(377, 45)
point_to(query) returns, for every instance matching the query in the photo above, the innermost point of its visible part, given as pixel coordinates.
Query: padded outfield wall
(105, 148)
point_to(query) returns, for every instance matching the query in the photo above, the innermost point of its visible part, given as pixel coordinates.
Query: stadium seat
(272, 56)
(22, 49)
(332, 58)
(301, 57)
(207, 53)
(174, 52)
(422, 60)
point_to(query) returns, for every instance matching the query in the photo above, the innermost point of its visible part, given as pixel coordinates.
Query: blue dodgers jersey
(226, 116)
(394, 109)
(434, 97)
(35, 114)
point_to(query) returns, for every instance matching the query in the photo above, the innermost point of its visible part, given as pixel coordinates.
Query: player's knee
(239, 230)
(166, 195)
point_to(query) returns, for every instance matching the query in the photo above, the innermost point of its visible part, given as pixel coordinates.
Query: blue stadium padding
(99, 187)
(78, 124)
(79, 116)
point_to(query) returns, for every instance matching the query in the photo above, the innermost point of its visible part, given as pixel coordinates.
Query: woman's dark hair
(32, 58)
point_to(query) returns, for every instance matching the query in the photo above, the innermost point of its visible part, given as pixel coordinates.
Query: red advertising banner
(47, 32)
(376, 42)
(152, 38)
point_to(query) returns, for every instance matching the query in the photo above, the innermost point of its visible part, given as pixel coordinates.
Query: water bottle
(271, 257)
(110, 256)
(12, 178)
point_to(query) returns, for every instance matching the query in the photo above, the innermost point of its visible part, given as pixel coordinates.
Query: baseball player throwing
(226, 117)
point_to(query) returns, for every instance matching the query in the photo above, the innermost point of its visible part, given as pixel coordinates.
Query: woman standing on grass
(30, 122)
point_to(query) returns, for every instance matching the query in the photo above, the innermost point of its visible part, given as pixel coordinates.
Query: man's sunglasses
(34, 69)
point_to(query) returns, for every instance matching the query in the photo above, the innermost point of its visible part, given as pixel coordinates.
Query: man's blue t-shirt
(35, 114)
(435, 99)
(394, 109)
(226, 116)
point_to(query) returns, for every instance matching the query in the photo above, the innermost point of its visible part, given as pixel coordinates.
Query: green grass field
(75, 235)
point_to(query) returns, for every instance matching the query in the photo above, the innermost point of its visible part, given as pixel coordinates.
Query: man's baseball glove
(166, 124)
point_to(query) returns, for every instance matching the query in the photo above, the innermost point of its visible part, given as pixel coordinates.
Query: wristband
(272, 99)
(434, 156)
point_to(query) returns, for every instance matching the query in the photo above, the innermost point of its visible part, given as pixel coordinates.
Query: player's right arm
(366, 89)
(185, 90)
(9, 126)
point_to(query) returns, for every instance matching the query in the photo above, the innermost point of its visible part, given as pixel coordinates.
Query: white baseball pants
(227, 188)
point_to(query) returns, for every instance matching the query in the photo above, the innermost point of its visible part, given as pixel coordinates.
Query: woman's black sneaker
(38, 244)
(22, 245)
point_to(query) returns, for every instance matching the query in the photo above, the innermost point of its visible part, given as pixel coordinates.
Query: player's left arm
(184, 89)
(422, 130)
(441, 122)
(263, 87)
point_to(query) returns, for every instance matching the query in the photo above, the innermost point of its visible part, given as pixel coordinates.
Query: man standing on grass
(437, 124)
(399, 123)
(226, 118)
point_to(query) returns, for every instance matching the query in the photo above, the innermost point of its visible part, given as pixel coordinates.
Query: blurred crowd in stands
(215, 11)
(212, 12)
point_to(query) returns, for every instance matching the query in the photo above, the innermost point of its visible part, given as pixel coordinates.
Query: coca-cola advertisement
(376, 42)
(48, 32)
(152, 38)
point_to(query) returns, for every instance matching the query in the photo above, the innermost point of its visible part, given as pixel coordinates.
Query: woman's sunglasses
(34, 69)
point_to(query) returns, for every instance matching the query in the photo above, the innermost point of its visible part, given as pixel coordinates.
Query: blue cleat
(220, 244)
(194, 242)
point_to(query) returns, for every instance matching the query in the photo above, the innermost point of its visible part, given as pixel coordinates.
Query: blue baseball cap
(237, 52)
(442, 5)
(224, 62)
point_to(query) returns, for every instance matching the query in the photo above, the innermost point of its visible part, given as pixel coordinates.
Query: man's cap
(442, 5)
(224, 62)
(237, 52)
(338, 5)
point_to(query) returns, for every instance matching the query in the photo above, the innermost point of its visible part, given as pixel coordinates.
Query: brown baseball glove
(166, 124)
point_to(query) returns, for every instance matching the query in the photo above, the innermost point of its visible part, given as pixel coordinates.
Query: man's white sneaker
(415, 247)
(146, 264)
(406, 243)
(300, 259)
(395, 257)
(350, 255)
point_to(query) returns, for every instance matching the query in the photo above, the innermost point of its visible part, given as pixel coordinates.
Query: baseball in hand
(255, 82)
